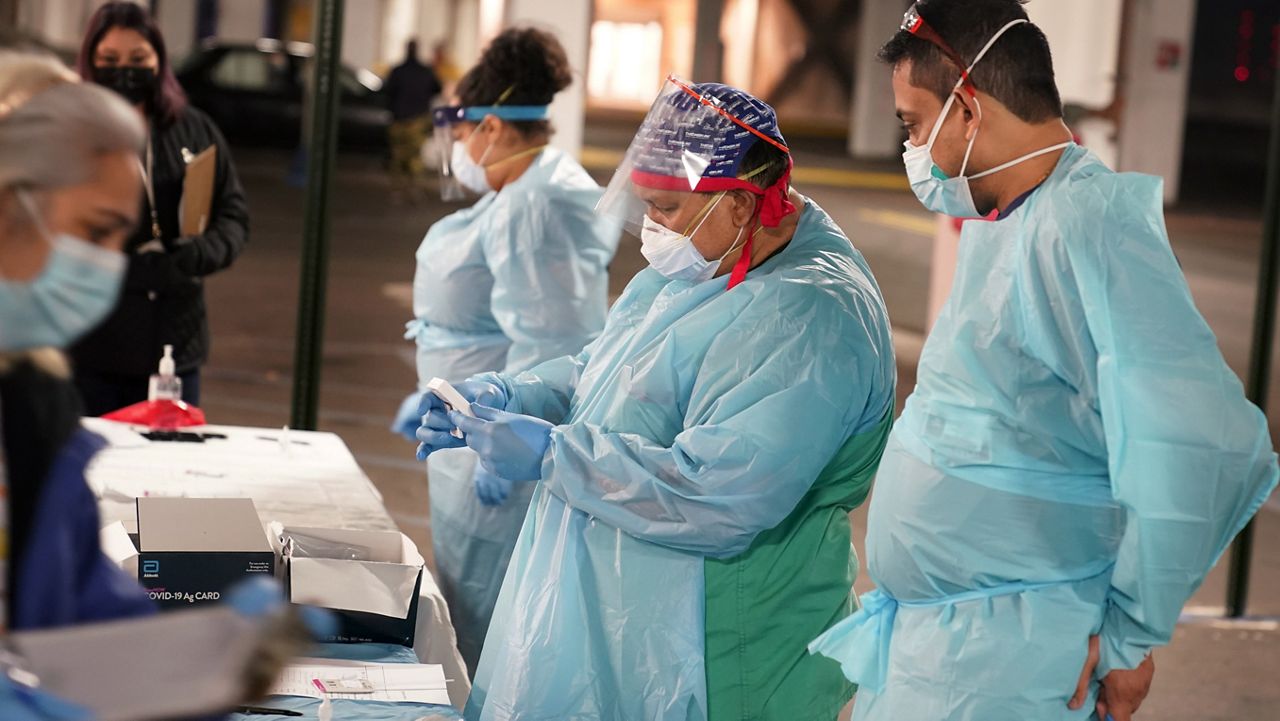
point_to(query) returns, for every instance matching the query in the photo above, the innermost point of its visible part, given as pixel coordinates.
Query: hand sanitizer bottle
(165, 385)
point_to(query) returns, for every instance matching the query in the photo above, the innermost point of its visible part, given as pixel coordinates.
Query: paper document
(405, 682)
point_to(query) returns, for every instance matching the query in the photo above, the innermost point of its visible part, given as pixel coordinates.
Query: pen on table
(320, 686)
(263, 711)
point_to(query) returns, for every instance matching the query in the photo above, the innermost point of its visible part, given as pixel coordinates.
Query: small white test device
(347, 685)
(453, 400)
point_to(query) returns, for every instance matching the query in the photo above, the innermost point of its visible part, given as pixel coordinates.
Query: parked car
(254, 92)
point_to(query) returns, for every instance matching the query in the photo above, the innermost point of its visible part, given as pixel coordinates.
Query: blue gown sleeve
(64, 577)
(1189, 457)
(544, 391)
(548, 276)
(736, 468)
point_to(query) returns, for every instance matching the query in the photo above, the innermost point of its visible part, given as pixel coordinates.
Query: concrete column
(241, 20)
(874, 132)
(1085, 57)
(465, 38)
(362, 33)
(708, 49)
(570, 20)
(1154, 87)
(58, 22)
(942, 267)
(177, 20)
(433, 21)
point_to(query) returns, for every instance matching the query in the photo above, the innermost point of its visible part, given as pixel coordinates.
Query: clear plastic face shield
(461, 174)
(686, 150)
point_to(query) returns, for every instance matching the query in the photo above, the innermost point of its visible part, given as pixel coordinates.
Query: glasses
(914, 23)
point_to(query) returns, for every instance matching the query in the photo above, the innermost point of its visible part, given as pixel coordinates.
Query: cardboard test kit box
(371, 579)
(191, 550)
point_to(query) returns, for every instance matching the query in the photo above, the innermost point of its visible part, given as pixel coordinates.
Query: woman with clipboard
(195, 220)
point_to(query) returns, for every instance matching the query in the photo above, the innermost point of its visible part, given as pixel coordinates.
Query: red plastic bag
(161, 415)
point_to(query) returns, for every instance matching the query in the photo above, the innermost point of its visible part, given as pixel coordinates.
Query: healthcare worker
(1077, 454)
(69, 189)
(693, 468)
(518, 278)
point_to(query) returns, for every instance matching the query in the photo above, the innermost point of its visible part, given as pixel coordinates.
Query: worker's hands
(287, 631)
(509, 445)
(1122, 692)
(482, 392)
(490, 489)
(435, 431)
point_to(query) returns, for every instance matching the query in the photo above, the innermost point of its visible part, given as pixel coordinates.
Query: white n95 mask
(468, 172)
(675, 256)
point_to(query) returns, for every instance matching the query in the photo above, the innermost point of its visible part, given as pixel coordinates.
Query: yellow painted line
(900, 221)
(599, 158)
(861, 179)
(596, 158)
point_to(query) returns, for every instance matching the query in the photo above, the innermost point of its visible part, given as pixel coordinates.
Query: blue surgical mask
(73, 293)
(938, 192)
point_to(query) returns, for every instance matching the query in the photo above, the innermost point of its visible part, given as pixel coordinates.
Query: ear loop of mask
(702, 215)
(937, 127)
(515, 156)
(483, 155)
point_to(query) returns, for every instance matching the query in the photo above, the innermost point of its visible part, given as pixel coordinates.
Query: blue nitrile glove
(490, 489)
(509, 445)
(408, 419)
(435, 430)
(258, 597)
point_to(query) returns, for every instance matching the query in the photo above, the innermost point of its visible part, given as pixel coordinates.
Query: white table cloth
(297, 478)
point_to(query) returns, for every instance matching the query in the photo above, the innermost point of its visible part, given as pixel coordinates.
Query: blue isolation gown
(64, 578)
(1075, 458)
(697, 421)
(518, 278)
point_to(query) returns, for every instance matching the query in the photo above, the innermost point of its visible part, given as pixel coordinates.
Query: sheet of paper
(403, 682)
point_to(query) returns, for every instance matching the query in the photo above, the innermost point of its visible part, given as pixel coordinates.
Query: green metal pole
(1264, 323)
(315, 234)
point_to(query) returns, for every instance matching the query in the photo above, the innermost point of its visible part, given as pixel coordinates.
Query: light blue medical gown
(699, 419)
(1075, 458)
(518, 278)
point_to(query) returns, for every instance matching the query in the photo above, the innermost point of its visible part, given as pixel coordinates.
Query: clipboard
(197, 189)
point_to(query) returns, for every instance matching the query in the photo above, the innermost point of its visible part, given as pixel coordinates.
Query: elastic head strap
(714, 105)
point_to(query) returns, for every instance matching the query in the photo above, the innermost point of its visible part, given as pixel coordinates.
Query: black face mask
(137, 85)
